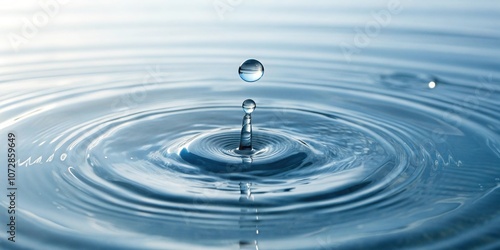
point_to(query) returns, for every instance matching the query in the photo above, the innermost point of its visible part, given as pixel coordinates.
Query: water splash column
(246, 126)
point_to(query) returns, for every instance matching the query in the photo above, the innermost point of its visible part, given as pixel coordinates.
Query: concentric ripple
(330, 166)
(131, 142)
(215, 152)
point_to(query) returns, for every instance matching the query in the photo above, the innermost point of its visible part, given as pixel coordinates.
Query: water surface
(127, 115)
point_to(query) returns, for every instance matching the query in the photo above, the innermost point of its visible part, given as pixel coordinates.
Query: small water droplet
(432, 84)
(251, 70)
(248, 106)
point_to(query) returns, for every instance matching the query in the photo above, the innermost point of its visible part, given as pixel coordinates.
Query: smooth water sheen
(128, 119)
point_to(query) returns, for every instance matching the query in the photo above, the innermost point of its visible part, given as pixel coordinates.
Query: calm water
(377, 124)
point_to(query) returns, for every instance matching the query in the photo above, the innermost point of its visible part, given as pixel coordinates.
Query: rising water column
(246, 126)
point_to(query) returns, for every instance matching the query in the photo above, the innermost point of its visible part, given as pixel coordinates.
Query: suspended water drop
(251, 70)
(248, 106)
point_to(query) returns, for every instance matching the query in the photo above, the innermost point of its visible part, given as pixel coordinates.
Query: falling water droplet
(248, 106)
(251, 70)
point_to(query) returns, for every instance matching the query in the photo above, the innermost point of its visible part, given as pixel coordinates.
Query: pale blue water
(127, 116)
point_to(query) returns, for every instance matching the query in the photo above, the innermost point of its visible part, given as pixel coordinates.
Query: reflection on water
(378, 124)
(249, 219)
